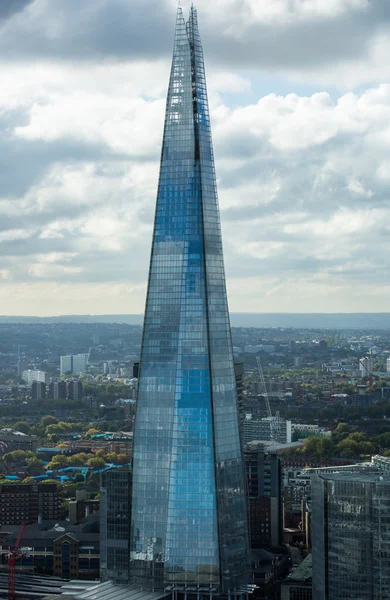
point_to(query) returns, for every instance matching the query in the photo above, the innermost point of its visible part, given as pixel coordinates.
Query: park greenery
(345, 443)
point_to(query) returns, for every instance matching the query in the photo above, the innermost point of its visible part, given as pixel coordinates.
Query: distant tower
(189, 519)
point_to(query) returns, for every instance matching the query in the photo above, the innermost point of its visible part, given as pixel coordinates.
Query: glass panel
(189, 509)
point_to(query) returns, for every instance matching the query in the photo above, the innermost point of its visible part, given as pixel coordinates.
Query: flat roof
(364, 476)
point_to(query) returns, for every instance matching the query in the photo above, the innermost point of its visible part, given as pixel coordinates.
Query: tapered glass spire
(189, 524)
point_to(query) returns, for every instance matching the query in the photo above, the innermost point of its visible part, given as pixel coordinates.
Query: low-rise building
(69, 551)
(298, 585)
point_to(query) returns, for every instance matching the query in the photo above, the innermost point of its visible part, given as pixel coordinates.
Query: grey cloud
(118, 29)
(10, 7)
(24, 162)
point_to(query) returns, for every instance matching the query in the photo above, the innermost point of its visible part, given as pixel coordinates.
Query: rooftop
(366, 475)
(303, 572)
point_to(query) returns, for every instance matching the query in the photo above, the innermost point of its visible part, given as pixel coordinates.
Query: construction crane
(274, 422)
(13, 555)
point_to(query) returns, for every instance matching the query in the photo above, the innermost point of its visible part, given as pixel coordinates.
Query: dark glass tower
(189, 522)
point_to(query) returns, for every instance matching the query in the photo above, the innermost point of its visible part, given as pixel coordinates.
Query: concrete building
(260, 430)
(74, 390)
(264, 499)
(351, 534)
(32, 375)
(57, 390)
(366, 366)
(38, 390)
(388, 365)
(82, 506)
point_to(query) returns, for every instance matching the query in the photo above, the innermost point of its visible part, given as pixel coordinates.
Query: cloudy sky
(300, 104)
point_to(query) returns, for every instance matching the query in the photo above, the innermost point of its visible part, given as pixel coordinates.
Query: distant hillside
(294, 320)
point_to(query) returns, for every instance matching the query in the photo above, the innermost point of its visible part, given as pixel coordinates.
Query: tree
(28, 480)
(78, 478)
(48, 420)
(22, 426)
(96, 463)
(54, 429)
(35, 466)
(325, 447)
(311, 445)
(59, 461)
(93, 431)
(78, 460)
(349, 448)
(16, 456)
(383, 440)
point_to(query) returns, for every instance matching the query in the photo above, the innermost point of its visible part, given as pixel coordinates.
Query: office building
(265, 509)
(388, 365)
(73, 363)
(28, 502)
(38, 390)
(351, 534)
(189, 521)
(32, 375)
(261, 430)
(115, 510)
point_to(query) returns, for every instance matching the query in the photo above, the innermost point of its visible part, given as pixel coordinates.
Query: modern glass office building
(351, 535)
(189, 522)
(115, 511)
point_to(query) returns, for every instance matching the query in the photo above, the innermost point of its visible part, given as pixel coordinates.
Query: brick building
(28, 502)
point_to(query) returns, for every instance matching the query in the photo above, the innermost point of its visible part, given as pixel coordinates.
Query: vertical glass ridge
(189, 507)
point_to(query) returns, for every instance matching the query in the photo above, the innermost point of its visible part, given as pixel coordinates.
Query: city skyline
(299, 101)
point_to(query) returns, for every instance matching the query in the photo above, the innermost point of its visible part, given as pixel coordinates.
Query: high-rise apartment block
(366, 366)
(38, 390)
(73, 363)
(351, 534)
(57, 390)
(74, 390)
(189, 523)
(28, 502)
(32, 375)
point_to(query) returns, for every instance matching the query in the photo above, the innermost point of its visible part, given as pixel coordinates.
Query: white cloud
(303, 178)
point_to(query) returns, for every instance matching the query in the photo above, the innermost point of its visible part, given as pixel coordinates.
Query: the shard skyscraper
(189, 522)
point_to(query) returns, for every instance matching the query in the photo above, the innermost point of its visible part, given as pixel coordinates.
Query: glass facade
(351, 536)
(189, 522)
(115, 510)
